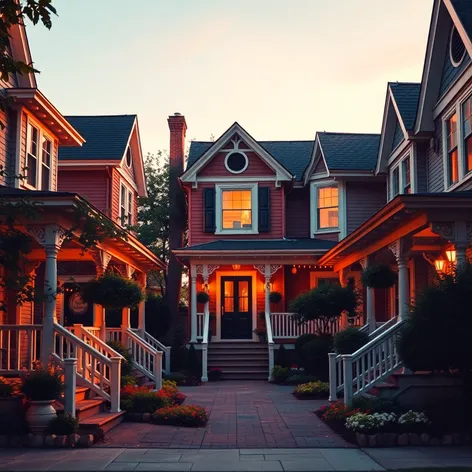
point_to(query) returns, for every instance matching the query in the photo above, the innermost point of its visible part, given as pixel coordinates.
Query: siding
(398, 136)
(435, 168)
(23, 142)
(297, 214)
(363, 200)
(421, 167)
(90, 184)
(320, 168)
(256, 167)
(196, 221)
(115, 195)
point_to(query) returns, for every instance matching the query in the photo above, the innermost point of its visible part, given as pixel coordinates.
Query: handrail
(92, 340)
(270, 343)
(158, 346)
(285, 326)
(206, 331)
(94, 369)
(383, 327)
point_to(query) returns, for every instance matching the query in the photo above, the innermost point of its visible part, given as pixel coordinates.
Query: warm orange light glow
(236, 266)
(451, 255)
(439, 265)
(294, 270)
(237, 209)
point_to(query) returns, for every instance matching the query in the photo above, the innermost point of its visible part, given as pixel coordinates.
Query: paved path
(242, 414)
(233, 460)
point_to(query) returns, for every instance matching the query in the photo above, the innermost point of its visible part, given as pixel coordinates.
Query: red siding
(298, 213)
(115, 195)
(256, 167)
(196, 221)
(90, 184)
(295, 283)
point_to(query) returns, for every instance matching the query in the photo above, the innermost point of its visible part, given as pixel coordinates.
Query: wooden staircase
(243, 360)
(92, 411)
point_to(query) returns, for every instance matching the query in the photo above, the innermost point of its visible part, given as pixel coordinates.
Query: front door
(76, 311)
(236, 308)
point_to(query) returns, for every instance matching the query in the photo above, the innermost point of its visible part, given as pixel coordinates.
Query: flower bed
(190, 415)
(311, 390)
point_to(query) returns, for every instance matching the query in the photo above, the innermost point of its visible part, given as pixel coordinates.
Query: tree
(14, 12)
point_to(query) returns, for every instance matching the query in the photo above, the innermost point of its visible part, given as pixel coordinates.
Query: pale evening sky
(282, 69)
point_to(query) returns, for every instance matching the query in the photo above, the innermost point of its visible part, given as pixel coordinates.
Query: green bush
(312, 389)
(192, 362)
(275, 297)
(349, 340)
(375, 405)
(280, 374)
(63, 425)
(378, 276)
(303, 339)
(144, 401)
(127, 364)
(281, 356)
(315, 356)
(128, 380)
(41, 384)
(6, 388)
(177, 377)
(300, 379)
(188, 415)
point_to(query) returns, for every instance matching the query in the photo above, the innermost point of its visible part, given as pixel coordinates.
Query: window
(39, 158)
(328, 210)
(467, 118)
(236, 162)
(126, 206)
(236, 209)
(129, 157)
(395, 182)
(406, 175)
(452, 152)
(46, 164)
(32, 157)
(456, 48)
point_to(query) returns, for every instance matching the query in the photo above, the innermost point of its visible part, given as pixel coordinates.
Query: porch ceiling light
(236, 266)
(294, 270)
(451, 255)
(439, 264)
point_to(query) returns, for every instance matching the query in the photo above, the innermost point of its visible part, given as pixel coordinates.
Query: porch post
(206, 307)
(400, 253)
(193, 303)
(369, 301)
(343, 280)
(102, 259)
(142, 309)
(461, 253)
(267, 275)
(126, 312)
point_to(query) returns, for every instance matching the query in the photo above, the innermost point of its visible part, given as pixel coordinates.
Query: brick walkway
(242, 415)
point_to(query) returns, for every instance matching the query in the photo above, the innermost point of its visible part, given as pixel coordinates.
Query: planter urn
(39, 415)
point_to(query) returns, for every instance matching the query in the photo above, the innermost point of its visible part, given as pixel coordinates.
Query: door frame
(233, 273)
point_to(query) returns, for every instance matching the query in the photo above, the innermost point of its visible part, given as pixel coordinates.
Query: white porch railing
(158, 346)
(114, 334)
(19, 347)
(84, 333)
(94, 370)
(206, 331)
(284, 325)
(270, 344)
(358, 372)
(200, 319)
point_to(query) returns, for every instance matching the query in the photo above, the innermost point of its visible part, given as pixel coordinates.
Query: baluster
(8, 349)
(18, 350)
(347, 366)
(332, 377)
(369, 366)
(83, 361)
(363, 371)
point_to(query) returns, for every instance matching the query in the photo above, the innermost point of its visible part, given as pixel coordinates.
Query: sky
(283, 69)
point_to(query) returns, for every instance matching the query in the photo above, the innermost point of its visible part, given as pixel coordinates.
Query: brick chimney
(177, 127)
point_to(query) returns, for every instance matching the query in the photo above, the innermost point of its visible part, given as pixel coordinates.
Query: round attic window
(456, 48)
(129, 157)
(236, 162)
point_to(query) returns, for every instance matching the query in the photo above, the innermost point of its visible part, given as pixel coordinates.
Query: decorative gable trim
(191, 175)
(316, 158)
(21, 52)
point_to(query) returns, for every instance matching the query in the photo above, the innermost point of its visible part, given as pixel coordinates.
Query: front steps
(243, 360)
(92, 411)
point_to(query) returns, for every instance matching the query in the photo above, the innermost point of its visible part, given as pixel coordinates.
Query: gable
(398, 135)
(320, 168)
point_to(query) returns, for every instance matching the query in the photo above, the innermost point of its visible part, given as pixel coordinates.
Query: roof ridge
(347, 134)
(404, 83)
(100, 116)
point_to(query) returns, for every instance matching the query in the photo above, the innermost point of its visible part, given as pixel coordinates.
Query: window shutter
(209, 209)
(264, 209)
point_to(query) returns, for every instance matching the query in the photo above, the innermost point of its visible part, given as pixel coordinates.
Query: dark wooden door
(236, 307)
(76, 311)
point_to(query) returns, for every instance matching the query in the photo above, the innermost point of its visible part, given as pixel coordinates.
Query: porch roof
(403, 216)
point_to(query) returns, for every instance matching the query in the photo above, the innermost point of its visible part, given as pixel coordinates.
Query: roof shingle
(406, 96)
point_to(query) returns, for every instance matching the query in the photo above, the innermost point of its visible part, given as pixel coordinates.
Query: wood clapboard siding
(363, 200)
(24, 124)
(256, 167)
(422, 150)
(435, 168)
(297, 216)
(90, 184)
(115, 195)
(197, 234)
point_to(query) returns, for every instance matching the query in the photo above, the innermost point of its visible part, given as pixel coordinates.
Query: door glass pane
(243, 296)
(229, 296)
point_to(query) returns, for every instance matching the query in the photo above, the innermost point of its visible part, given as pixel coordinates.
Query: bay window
(406, 175)
(467, 120)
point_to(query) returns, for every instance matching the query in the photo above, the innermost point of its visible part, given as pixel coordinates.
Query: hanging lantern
(294, 270)
(236, 266)
(439, 264)
(451, 255)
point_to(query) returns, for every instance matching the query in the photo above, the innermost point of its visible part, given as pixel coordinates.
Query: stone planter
(39, 415)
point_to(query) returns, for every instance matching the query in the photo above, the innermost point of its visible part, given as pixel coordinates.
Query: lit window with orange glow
(452, 153)
(237, 209)
(328, 207)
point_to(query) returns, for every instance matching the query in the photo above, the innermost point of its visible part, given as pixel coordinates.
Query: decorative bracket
(101, 259)
(267, 270)
(50, 235)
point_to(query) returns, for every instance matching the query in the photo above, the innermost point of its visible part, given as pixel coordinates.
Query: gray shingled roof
(406, 96)
(348, 151)
(293, 155)
(464, 12)
(105, 136)
(263, 245)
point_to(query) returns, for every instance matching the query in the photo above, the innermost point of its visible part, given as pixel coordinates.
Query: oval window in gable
(456, 48)
(236, 162)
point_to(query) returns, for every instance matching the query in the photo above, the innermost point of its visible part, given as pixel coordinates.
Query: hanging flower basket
(379, 276)
(275, 297)
(203, 297)
(113, 292)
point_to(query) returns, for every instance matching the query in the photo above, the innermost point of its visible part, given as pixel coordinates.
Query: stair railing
(95, 370)
(87, 336)
(158, 346)
(358, 372)
(270, 343)
(206, 331)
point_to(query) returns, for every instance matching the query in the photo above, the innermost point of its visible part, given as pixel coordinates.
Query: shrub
(349, 340)
(113, 292)
(312, 389)
(280, 374)
(300, 379)
(127, 363)
(42, 384)
(281, 356)
(315, 356)
(378, 276)
(203, 297)
(181, 416)
(192, 362)
(413, 422)
(371, 423)
(177, 377)
(375, 405)
(336, 412)
(143, 400)
(302, 340)
(63, 425)
(6, 388)
(275, 297)
(170, 390)
(214, 374)
(169, 384)
(128, 380)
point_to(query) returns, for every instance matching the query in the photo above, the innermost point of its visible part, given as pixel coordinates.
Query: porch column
(51, 238)
(401, 254)
(101, 259)
(461, 253)
(206, 308)
(142, 308)
(126, 312)
(267, 275)
(193, 303)
(369, 301)
(343, 280)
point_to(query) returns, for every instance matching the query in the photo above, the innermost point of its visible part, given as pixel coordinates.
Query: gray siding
(320, 167)
(422, 150)
(363, 200)
(297, 213)
(398, 136)
(435, 168)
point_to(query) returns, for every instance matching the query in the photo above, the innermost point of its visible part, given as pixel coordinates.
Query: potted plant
(41, 387)
(378, 276)
(275, 297)
(203, 297)
(11, 405)
(262, 333)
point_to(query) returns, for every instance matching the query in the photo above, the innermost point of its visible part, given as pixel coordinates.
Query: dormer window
(129, 157)
(456, 48)
(39, 159)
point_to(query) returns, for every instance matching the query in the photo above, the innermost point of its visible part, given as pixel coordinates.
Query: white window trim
(39, 159)
(236, 151)
(315, 276)
(129, 191)
(219, 208)
(456, 64)
(342, 217)
(401, 184)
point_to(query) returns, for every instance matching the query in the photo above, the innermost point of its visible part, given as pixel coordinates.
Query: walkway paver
(242, 415)
(234, 460)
